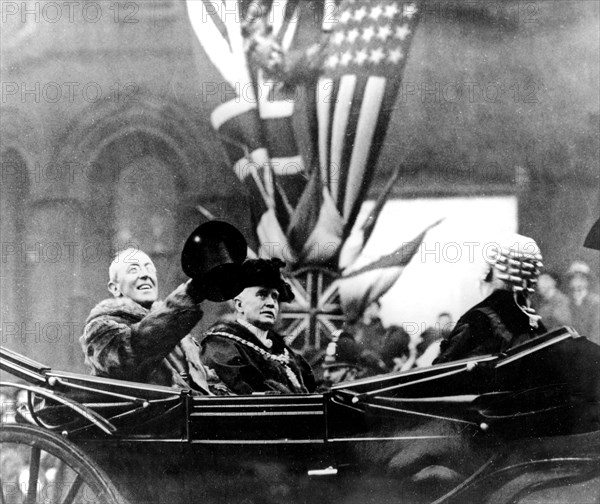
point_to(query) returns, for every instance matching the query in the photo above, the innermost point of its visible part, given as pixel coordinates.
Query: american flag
(363, 67)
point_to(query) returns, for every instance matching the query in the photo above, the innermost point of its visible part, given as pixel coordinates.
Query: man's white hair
(121, 257)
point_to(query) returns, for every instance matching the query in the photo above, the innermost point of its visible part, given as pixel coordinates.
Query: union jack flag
(250, 108)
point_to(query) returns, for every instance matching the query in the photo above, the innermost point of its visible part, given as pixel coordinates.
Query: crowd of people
(579, 307)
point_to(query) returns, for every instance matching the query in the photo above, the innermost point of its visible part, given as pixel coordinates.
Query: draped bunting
(304, 210)
(308, 211)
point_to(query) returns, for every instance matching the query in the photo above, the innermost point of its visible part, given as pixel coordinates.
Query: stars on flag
(352, 35)
(402, 32)
(383, 32)
(371, 34)
(361, 57)
(376, 55)
(359, 14)
(395, 56)
(368, 33)
(387, 10)
(376, 12)
(332, 61)
(345, 16)
(338, 38)
(391, 10)
(346, 58)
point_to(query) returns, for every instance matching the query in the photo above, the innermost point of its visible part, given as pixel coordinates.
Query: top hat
(213, 256)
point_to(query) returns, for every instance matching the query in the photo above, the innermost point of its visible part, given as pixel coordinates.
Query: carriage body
(497, 415)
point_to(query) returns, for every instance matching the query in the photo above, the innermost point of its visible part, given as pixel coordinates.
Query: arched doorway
(137, 197)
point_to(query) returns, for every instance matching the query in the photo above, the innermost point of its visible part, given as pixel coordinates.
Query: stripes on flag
(365, 129)
(358, 238)
(364, 61)
(339, 125)
(323, 92)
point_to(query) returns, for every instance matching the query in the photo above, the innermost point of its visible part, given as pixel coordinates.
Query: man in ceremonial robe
(247, 354)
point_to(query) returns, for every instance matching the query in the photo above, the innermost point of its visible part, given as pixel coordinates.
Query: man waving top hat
(247, 355)
(132, 336)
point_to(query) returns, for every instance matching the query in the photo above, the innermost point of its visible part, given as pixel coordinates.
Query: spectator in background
(445, 324)
(584, 305)
(369, 333)
(396, 350)
(402, 352)
(341, 361)
(429, 347)
(344, 360)
(552, 305)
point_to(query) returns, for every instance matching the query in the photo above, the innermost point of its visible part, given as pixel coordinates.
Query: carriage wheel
(41, 467)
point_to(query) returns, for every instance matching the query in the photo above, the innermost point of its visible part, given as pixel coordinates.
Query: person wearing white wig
(504, 318)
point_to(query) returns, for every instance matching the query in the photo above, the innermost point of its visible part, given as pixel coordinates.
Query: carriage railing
(22, 367)
(449, 392)
(473, 391)
(376, 385)
(75, 404)
(480, 391)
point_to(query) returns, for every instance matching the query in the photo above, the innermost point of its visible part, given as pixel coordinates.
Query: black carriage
(518, 427)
